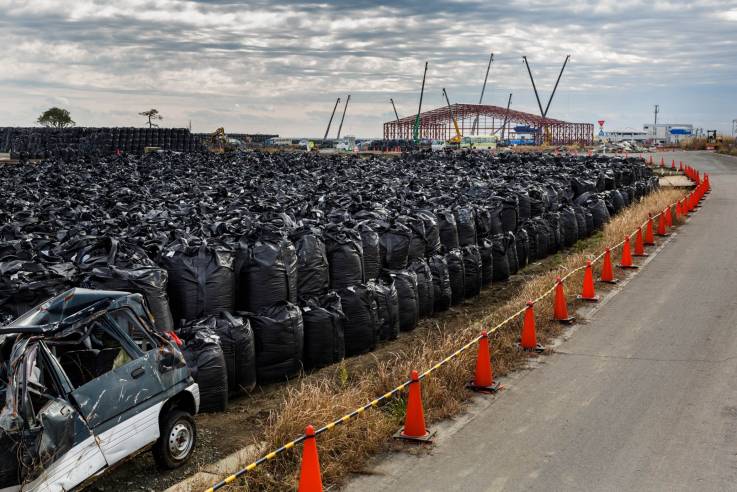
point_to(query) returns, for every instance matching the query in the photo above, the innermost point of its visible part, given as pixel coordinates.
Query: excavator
(220, 143)
(455, 141)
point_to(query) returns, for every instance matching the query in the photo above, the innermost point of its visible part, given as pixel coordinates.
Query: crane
(331, 120)
(395, 109)
(343, 117)
(416, 128)
(544, 113)
(481, 98)
(457, 139)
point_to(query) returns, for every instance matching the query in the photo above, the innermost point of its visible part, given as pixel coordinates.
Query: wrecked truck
(86, 382)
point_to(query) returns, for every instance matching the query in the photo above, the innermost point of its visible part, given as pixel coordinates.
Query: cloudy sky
(268, 66)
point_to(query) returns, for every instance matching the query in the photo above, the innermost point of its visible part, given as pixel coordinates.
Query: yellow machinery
(455, 140)
(218, 141)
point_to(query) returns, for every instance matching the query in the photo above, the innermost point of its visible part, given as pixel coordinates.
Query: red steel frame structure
(437, 124)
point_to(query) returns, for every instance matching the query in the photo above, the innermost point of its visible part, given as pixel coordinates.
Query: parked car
(89, 382)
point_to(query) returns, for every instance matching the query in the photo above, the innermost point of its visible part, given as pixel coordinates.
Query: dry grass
(323, 397)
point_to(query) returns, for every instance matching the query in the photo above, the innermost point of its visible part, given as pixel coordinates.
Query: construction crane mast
(331, 120)
(343, 117)
(544, 112)
(395, 109)
(458, 136)
(481, 98)
(416, 128)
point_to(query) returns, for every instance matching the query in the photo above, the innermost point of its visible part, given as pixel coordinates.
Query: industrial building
(507, 124)
(668, 133)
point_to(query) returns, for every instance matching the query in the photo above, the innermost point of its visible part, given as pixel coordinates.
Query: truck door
(116, 387)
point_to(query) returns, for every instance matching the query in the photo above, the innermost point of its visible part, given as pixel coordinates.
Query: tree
(152, 114)
(56, 118)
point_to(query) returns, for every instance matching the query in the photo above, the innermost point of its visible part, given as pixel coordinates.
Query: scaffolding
(437, 124)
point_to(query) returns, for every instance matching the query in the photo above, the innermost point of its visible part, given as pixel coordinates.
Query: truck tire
(177, 440)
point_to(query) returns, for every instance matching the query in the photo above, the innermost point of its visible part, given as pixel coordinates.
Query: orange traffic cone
(560, 306)
(673, 164)
(662, 162)
(607, 272)
(639, 243)
(649, 238)
(680, 166)
(626, 261)
(588, 293)
(483, 378)
(668, 217)
(529, 337)
(661, 225)
(309, 476)
(414, 419)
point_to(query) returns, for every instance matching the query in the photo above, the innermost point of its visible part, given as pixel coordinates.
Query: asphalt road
(643, 397)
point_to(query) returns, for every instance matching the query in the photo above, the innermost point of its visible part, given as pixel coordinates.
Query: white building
(668, 133)
(633, 136)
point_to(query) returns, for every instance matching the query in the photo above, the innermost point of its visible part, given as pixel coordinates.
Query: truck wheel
(177, 440)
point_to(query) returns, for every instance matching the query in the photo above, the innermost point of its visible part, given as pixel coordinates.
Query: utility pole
(734, 127)
(481, 98)
(657, 110)
(331, 120)
(343, 117)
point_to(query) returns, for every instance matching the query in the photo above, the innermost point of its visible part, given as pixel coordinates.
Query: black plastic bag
(454, 260)
(345, 256)
(387, 303)
(466, 225)
(425, 289)
(499, 254)
(279, 334)
(324, 342)
(487, 261)
(409, 305)
(432, 232)
(472, 270)
(266, 269)
(361, 324)
(206, 361)
(512, 253)
(201, 279)
(394, 241)
(151, 282)
(442, 292)
(448, 229)
(371, 251)
(313, 272)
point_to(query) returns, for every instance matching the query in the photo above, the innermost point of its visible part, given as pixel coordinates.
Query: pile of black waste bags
(267, 265)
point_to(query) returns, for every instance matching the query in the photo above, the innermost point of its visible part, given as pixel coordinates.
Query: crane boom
(458, 137)
(481, 98)
(343, 117)
(331, 120)
(395, 109)
(416, 128)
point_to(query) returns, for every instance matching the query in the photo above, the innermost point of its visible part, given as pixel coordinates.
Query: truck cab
(88, 383)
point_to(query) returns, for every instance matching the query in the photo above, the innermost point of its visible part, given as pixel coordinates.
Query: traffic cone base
(626, 267)
(427, 438)
(612, 281)
(491, 389)
(414, 429)
(589, 299)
